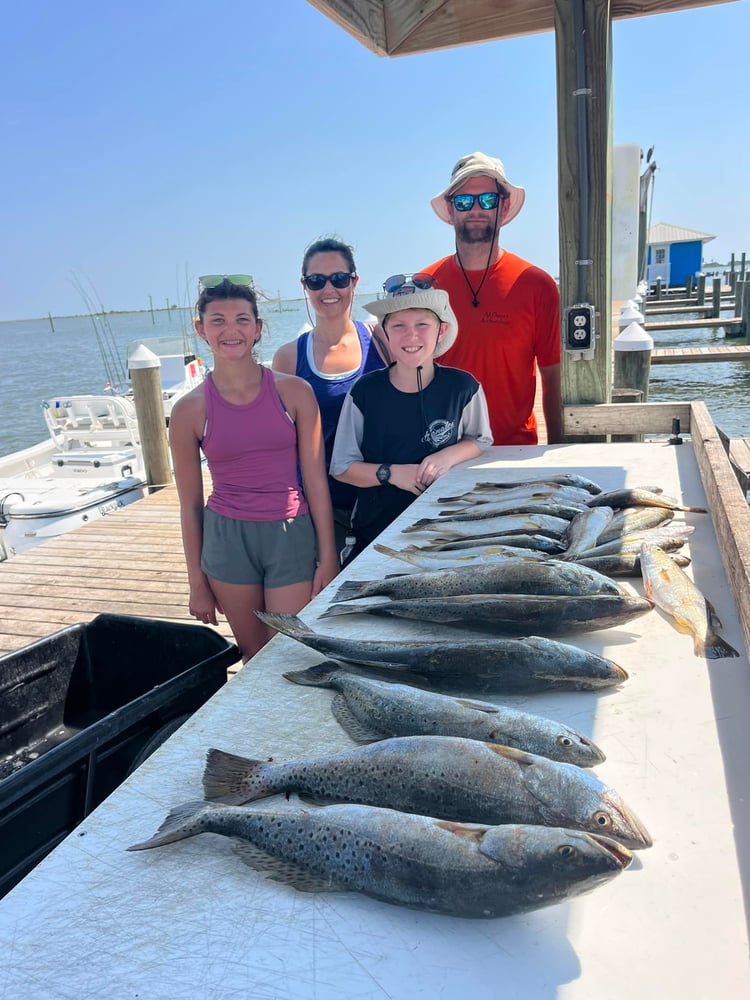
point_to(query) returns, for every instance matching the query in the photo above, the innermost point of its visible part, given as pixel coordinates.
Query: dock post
(716, 299)
(626, 396)
(688, 286)
(632, 353)
(152, 428)
(742, 266)
(745, 312)
(657, 289)
(700, 290)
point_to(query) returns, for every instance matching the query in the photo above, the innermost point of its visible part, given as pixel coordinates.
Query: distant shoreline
(131, 312)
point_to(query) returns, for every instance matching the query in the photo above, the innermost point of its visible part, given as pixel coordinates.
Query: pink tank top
(252, 454)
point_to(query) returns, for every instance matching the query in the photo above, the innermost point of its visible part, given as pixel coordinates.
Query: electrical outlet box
(579, 330)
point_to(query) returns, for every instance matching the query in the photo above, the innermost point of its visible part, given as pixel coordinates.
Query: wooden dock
(129, 562)
(691, 355)
(730, 322)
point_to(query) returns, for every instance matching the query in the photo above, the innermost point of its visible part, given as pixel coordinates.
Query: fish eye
(566, 851)
(602, 819)
(565, 741)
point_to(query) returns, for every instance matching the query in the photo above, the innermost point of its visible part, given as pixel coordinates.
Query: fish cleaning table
(190, 922)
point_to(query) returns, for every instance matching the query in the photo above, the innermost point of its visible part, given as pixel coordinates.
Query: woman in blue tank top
(334, 354)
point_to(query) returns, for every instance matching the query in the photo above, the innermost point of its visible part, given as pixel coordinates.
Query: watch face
(383, 473)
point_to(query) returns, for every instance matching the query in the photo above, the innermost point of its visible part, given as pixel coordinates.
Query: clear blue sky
(149, 142)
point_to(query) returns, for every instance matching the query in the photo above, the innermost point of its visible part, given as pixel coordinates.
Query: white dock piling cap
(142, 357)
(629, 313)
(633, 338)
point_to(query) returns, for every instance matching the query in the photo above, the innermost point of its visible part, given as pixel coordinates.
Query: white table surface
(190, 921)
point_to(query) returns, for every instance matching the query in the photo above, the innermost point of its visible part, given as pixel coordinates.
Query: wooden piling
(147, 395)
(700, 291)
(688, 286)
(657, 289)
(716, 300)
(745, 310)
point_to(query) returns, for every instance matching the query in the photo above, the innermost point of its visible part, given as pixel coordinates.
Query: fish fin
(225, 777)
(478, 706)
(713, 619)
(351, 724)
(183, 821)
(319, 675)
(473, 832)
(286, 624)
(285, 872)
(344, 609)
(421, 523)
(351, 589)
(715, 648)
(519, 756)
(310, 799)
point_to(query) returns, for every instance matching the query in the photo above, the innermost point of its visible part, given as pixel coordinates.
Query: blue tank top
(330, 391)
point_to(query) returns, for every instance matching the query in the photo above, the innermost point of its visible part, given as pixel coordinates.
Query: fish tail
(714, 648)
(289, 625)
(421, 523)
(227, 777)
(184, 821)
(343, 609)
(404, 556)
(319, 675)
(349, 590)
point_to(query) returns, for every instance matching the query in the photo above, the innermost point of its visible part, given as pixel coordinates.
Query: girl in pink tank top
(264, 540)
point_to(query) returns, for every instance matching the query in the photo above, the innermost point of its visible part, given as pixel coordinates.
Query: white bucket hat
(409, 297)
(479, 165)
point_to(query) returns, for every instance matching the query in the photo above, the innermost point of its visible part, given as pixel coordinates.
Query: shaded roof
(401, 27)
(663, 232)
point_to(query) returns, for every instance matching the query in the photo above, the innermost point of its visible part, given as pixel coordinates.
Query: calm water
(78, 358)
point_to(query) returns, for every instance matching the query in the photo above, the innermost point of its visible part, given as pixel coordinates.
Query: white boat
(91, 464)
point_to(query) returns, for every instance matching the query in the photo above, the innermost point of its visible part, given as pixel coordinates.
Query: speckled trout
(369, 709)
(442, 776)
(511, 576)
(429, 864)
(492, 664)
(672, 590)
(509, 614)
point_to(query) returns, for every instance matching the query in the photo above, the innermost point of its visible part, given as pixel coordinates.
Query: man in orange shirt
(508, 310)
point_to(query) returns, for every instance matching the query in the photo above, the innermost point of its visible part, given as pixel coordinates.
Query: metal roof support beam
(585, 381)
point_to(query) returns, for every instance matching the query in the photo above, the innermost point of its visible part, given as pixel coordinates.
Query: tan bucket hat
(479, 165)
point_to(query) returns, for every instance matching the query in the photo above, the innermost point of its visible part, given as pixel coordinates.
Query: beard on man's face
(475, 231)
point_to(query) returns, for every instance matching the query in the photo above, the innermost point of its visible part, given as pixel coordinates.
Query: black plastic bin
(80, 710)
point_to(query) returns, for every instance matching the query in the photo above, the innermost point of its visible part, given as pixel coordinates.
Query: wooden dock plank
(693, 324)
(691, 355)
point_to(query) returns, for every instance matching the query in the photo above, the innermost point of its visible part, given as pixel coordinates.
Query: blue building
(674, 253)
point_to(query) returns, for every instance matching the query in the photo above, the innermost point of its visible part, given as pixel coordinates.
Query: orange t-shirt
(515, 327)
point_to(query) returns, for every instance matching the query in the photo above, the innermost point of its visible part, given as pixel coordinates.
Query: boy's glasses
(465, 202)
(339, 279)
(402, 283)
(214, 280)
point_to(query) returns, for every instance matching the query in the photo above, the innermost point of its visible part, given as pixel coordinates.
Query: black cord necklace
(474, 292)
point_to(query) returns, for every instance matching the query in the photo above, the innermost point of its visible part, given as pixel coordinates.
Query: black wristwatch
(383, 474)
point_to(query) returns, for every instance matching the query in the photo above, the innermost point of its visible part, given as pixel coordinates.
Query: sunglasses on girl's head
(465, 202)
(214, 280)
(399, 281)
(339, 279)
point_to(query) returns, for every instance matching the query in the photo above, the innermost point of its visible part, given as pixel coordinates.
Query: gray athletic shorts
(271, 553)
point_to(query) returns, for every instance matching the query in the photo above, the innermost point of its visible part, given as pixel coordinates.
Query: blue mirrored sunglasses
(402, 282)
(465, 202)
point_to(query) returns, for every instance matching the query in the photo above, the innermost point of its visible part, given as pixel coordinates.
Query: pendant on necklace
(475, 303)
